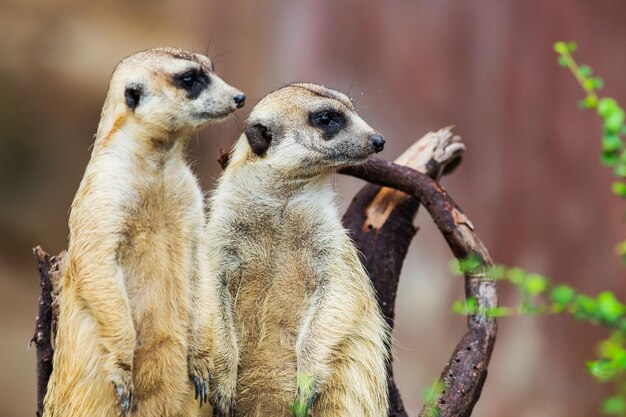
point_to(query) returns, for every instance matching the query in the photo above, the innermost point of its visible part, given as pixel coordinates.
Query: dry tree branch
(381, 223)
(44, 324)
(463, 377)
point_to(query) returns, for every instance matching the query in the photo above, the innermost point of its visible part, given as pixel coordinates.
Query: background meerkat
(309, 328)
(131, 330)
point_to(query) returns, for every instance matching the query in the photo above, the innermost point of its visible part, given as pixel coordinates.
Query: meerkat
(310, 333)
(136, 314)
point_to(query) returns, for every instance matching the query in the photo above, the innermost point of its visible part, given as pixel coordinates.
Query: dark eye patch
(329, 121)
(192, 81)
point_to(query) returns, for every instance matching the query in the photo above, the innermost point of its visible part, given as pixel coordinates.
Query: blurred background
(530, 181)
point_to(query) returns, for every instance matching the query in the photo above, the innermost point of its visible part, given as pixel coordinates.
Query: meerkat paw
(123, 386)
(305, 395)
(201, 373)
(223, 404)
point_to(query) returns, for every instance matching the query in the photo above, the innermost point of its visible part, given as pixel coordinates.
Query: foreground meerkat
(135, 313)
(310, 332)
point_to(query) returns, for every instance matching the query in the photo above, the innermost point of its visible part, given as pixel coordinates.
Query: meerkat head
(308, 128)
(170, 90)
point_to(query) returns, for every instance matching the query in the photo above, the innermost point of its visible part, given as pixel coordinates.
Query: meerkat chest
(158, 238)
(278, 258)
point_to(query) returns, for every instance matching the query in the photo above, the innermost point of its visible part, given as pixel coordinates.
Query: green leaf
(465, 307)
(598, 83)
(560, 47)
(619, 188)
(588, 84)
(470, 264)
(612, 348)
(535, 284)
(614, 121)
(620, 170)
(563, 61)
(609, 308)
(585, 70)
(614, 406)
(606, 106)
(584, 307)
(562, 294)
(498, 312)
(609, 158)
(601, 369)
(571, 47)
(588, 102)
(611, 142)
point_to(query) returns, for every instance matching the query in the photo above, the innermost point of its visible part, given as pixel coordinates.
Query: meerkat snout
(240, 100)
(378, 142)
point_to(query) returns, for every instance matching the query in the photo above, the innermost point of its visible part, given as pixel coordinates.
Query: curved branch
(463, 377)
(380, 221)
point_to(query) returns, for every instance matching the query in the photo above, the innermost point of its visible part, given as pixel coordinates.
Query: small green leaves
(561, 296)
(606, 106)
(560, 48)
(585, 70)
(601, 369)
(614, 121)
(535, 284)
(471, 264)
(465, 307)
(614, 406)
(611, 142)
(619, 188)
(609, 309)
(305, 394)
(431, 397)
(609, 158)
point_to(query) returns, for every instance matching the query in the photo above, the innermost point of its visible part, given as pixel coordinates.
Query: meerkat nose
(240, 100)
(378, 142)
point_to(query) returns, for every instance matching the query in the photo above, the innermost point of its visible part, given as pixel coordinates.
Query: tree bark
(43, 332)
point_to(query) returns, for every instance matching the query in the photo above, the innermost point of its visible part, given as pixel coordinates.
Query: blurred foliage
(539, 296)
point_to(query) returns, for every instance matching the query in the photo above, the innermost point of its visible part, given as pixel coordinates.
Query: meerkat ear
(132, 94)
(259, 137)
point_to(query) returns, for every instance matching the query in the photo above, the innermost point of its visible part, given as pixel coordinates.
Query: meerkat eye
(193, 81)
(329, 121)
(188, 80)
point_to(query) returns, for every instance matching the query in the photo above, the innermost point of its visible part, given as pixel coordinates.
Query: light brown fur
(304, 307)
(136, 315)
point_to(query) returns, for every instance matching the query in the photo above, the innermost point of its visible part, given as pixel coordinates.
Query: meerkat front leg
(203, 319)
(225, 354)
(329, 320)
(102, 290)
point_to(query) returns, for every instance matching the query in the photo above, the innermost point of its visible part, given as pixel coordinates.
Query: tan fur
(131, 318)
(303, 304)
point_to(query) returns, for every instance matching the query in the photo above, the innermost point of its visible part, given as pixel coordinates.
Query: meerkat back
(133, 335)
(309, 329)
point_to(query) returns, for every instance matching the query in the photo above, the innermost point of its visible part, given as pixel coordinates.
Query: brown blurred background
(531, 180)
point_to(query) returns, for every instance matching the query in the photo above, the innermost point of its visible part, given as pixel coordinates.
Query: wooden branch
(43, 338)
(463, 377)
(380, 221)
